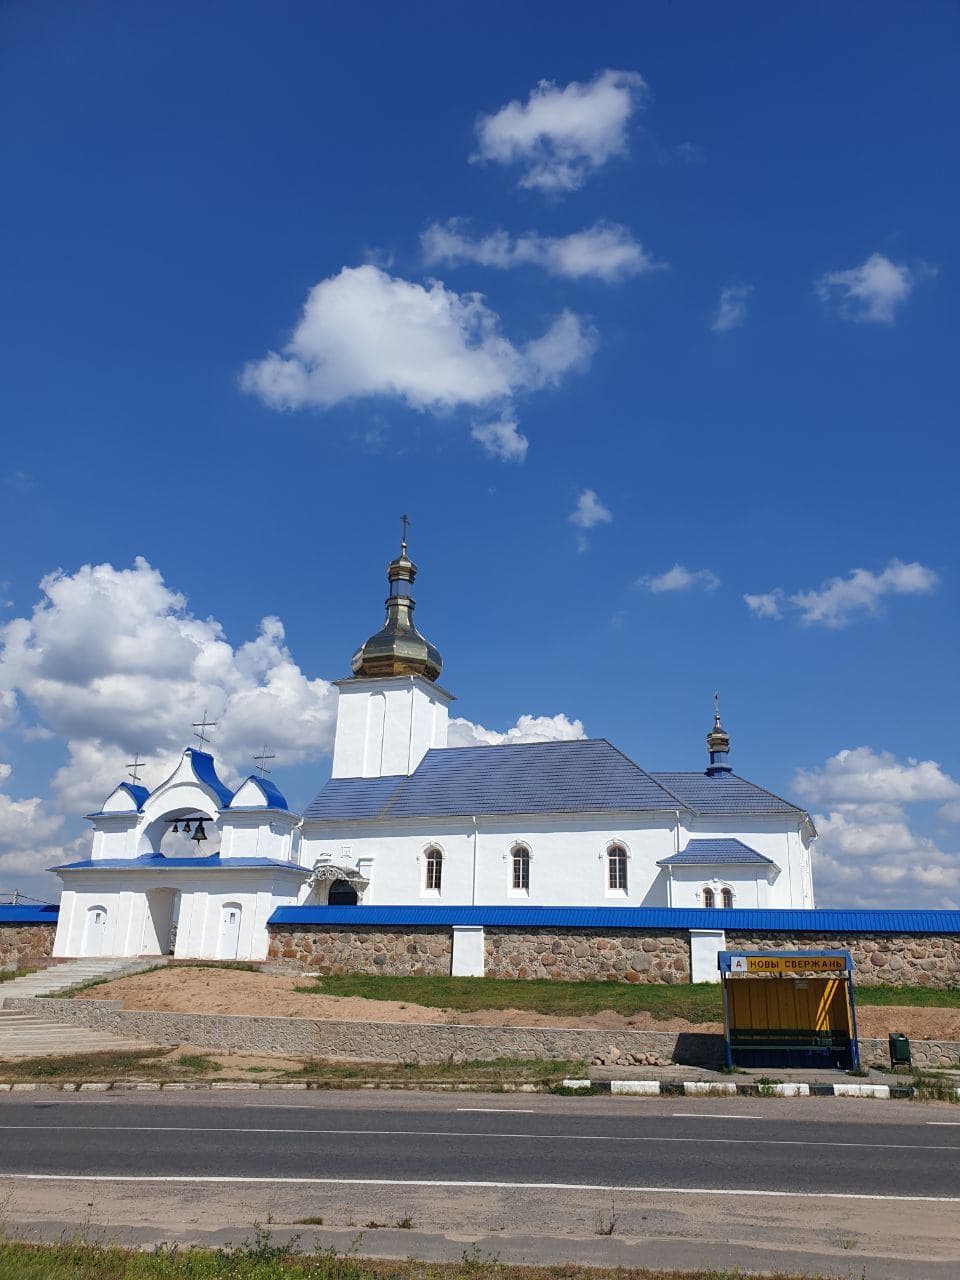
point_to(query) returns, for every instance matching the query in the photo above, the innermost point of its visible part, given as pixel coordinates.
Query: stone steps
(22, 1035)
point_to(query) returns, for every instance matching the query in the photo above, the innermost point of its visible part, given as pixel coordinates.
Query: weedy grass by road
(696, 1002)
(490, 1074)
(261, 1259)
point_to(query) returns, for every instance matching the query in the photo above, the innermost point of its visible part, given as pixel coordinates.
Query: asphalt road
(820, 1147)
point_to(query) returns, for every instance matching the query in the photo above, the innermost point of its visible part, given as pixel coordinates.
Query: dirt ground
(185, 990)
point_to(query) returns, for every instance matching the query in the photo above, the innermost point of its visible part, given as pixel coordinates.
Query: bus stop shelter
(789, 1009)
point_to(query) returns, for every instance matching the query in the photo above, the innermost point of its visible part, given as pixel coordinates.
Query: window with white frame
(726, 898)
(432, 870)
(520, 869)
(708, 897)
(617, 868)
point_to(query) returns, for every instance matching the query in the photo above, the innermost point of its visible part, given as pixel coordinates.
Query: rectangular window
(617, 870)
(434, 871)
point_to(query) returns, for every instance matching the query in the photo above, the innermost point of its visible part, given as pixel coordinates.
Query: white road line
(945, 1124)
(441, 1182)
(474, 1133)
(711, 1115)
(500, 1111)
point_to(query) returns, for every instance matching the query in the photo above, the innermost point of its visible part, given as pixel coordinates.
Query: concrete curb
(728, 1088)
(627, 1088)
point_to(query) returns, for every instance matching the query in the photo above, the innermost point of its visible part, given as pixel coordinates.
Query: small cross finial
(716, 710)
(404, 526)
(260, 760)
(134, 766)
(200, 727)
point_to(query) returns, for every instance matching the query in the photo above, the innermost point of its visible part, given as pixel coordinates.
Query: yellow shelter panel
(810, 1004)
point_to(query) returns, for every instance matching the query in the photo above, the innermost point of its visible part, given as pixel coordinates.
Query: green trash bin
(899, 1049)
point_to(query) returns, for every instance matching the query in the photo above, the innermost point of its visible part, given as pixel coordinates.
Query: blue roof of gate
(160, 862)
(722, 793)
(732, 919)
(583, 776)
(714, 852)
(32, 914)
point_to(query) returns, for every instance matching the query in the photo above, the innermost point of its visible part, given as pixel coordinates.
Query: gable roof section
(583, 776)
(722, 793)
(712, 853)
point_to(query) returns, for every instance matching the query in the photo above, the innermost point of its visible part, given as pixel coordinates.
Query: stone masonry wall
(897, 959)
(415, 951)
(615, 955)
(25, 944)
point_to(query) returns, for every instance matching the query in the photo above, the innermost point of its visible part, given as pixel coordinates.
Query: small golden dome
(398, 648)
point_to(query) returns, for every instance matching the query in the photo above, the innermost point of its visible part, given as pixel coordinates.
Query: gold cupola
(398, 648)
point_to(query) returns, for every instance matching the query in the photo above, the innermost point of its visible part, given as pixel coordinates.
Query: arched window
(709, 901)
(342, 894)
(617, 868)
(433, 870)
(520, 863)
(726, 898)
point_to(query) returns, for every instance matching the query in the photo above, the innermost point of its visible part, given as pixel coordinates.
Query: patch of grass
(696, 1002)
(261, 1259)
(8, 975)
(85, 1066)
(197, 1062)
(917, 997)
(480, 1074)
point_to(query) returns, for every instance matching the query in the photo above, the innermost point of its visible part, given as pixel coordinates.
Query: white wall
(567, 863)
(386, 726)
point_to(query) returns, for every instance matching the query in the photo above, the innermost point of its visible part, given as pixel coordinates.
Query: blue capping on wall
(796, 921)
(29, 914)
(160, 862)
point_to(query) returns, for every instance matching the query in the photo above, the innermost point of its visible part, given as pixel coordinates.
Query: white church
(195, 869)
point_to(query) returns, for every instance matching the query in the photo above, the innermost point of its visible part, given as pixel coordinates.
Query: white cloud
(871, 292)
(559, 136)
(869, 852)
(27, 834)
(680, 578)
(732, 308)
(113, 661)
(587, 514)
(839, 601)
(605, 251)
(501, 439)
(558, 728)
(364, 333)
(766, 605)
(863, 775)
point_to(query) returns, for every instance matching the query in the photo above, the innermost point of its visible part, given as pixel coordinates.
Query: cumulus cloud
(501, 439)
(364, 333)
(113, 661)
(732, 308)
(839, 601)
(680, 578)
(587, 514)
(28, 832)
(765, 605)
(870, 852)
(561, 135)
(871, 292)
(558, 728)
(606, 251)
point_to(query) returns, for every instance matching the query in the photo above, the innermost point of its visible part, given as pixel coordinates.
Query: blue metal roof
(722, 793)
(587, 775)
(32, 914)
(137, 794)
(206, 771)
(271, 792)
(712, 853)
(159, 862)
(732, 920)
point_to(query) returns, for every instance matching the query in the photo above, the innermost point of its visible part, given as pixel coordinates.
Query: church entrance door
(229, 931)
(158, 923)
(96, 931)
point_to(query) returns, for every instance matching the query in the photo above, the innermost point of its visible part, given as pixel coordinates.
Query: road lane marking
(500, 1111)
(711, 1115)
(475, 1133)
(945, 1124)
(442, 1182)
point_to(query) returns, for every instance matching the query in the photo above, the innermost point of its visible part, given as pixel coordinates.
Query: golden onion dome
(398, 648)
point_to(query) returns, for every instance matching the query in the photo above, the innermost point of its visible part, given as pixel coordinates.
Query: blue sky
(716, 254)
